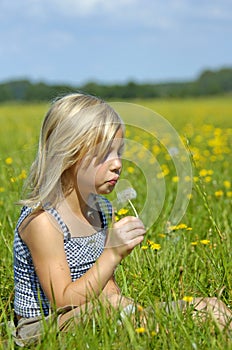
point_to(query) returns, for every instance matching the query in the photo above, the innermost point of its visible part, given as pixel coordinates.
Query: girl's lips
(112, 182)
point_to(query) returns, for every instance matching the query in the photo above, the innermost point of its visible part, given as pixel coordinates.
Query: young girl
(67, 244)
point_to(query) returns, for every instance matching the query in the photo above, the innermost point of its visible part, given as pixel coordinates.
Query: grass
(191, 258)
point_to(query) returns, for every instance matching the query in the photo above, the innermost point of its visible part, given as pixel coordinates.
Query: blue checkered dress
(81, 254)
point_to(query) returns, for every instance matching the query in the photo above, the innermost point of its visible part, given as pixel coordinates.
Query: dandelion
(205, 241)
(122, 211)
(175, 179)
(140, 330)
(194, 243)
(130, 169)
(2, 189)
(229, 194)
(218, 193)
(203, 172)
(144, 247)
(227, 184)
(162, 235)
(187, 179)
(126, 196)
(155, 246)
(207, 178)
(188, 298)
(23, 174)
(9, 161)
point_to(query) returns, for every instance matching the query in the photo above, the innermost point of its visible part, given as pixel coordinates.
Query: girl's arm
(45, 243)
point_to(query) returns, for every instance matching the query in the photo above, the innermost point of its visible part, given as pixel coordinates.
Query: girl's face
(102, 177)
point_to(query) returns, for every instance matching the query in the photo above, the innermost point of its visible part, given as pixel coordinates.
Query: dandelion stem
(133, 207)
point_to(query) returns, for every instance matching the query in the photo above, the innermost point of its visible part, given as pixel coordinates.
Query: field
(184, 255)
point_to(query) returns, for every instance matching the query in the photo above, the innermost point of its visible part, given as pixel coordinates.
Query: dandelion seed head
(127, 194)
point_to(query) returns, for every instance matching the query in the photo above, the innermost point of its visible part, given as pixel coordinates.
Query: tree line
(208, 83)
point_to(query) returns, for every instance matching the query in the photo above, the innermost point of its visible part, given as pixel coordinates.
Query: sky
(113, 41)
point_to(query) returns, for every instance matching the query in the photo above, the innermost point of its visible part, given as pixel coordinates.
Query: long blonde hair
(73, 128)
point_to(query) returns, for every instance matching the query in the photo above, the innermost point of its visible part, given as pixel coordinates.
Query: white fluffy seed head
(126, 195)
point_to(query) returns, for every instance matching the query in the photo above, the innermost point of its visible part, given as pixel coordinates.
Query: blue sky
(113, 41)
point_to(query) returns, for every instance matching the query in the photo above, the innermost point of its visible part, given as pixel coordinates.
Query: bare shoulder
(38, 225)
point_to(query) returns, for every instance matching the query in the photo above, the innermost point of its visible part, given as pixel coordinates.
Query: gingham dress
(81, 254)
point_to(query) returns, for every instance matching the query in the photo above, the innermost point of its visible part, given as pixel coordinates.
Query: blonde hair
(73, 128)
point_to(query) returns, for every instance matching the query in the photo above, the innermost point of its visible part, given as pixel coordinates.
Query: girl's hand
(124, 236)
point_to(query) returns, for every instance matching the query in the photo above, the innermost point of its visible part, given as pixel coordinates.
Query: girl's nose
(116, 164)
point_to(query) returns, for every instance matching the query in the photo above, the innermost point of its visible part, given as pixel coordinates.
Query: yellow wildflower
(188, 298)
(130, 169)
(139, 308)
(144, 247)
(205, 241)
(153, 333)
(203, 172)
(194, 243)
(175, 179)
(122, 211)
(227, 184)
(219, 193)
(140, 330)
(8, 160)
(207, 178)
(162, 235)
(187, 178)
(23, 174)
(155, 246)
(229, 194)
(2, 189)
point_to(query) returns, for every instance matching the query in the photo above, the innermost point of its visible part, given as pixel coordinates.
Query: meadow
(176, 261)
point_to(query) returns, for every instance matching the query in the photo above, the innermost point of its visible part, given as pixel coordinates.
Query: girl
(65, 250)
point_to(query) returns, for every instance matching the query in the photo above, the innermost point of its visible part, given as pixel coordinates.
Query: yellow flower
(2, 189)
(219, 193)
(188, 298)
(205, 241)
(208, 178)
(23, 174)
(130, 169)
(153, 333)
(188, 178)
(229, 194)
(140, 330)
(175, 179)
(122, 211)
(182, 226)
(144, 247)
(203, 172)
(139, 308)
(155, 246)
(194, 243)
(162, 235)
(227, 184)
(8, 160)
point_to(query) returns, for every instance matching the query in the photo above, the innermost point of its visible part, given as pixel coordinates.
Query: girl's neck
(81, 216)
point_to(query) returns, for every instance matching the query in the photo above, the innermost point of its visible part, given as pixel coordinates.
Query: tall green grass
(190, 260)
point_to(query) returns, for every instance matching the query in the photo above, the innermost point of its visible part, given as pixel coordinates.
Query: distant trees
(208, 83)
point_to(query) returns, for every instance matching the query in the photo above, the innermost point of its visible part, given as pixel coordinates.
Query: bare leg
(78, 314)
(203, 308)
(214, 308)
